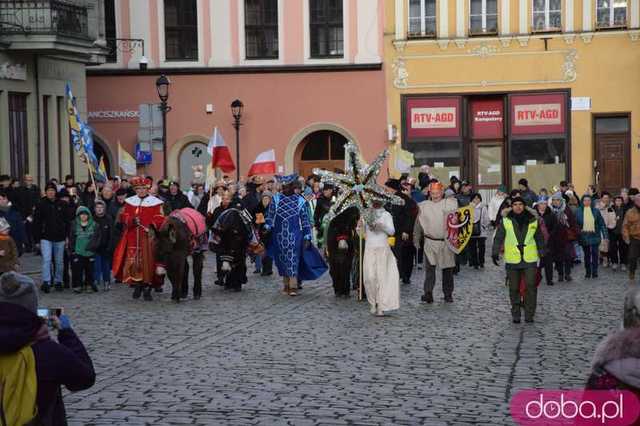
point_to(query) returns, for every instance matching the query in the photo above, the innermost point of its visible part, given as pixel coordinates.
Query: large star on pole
(357, 186)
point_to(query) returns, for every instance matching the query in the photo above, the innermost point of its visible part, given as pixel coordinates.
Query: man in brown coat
(631, 235)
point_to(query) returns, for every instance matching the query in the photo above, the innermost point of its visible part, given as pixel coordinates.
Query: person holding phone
(24, 334)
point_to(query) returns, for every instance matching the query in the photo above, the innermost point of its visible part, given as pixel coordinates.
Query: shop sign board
(535, 114)
(433, 117)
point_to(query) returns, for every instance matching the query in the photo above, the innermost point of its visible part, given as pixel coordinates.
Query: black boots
(137, 291)
(427, 298)
(147, 294)
(45, 287)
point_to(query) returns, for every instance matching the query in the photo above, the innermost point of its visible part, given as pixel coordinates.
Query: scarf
(588, 222)
(561, 216)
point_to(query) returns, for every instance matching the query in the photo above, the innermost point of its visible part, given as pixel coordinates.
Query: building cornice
(272, 69)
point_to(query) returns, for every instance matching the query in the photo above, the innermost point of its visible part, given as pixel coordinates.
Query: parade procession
(319, 212)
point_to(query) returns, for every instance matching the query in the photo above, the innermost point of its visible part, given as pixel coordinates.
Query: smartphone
(48, 313)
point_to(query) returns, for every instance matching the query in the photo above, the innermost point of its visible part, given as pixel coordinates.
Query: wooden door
(613, 163)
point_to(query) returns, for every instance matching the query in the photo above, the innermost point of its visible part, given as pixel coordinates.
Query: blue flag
(81, 133)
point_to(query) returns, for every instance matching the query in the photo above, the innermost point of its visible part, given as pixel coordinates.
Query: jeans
(102, 269)
(591, 254)
(55, 250)
(258, 260)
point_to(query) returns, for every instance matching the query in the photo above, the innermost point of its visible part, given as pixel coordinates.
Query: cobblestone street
(259, 357)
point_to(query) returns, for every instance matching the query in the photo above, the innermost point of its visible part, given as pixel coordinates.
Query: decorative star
(358, 186)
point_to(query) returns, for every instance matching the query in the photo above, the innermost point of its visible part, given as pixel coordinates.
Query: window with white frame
(547, 15)
(611, 13)
(483, 17)
(422, 18)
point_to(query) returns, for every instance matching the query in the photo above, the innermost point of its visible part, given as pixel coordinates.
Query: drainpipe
(38, 144)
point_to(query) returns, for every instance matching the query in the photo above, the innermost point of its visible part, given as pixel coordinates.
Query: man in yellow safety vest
(523, 242)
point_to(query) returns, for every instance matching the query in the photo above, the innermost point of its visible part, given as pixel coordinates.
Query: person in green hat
(82, 244)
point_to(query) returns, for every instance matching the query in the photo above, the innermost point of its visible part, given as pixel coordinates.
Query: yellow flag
(126, 162)
(102, 167)
(401, 161)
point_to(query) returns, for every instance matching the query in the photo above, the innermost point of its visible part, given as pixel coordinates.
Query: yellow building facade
(494, 91)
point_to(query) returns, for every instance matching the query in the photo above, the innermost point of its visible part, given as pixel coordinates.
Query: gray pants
(530, 293)
(430, 279)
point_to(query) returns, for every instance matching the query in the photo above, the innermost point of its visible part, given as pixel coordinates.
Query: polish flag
(219, 152)
(265, 164)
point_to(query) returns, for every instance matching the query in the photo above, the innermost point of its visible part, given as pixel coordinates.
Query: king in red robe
(134, 260)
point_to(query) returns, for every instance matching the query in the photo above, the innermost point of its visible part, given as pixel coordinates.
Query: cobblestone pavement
(259, 357)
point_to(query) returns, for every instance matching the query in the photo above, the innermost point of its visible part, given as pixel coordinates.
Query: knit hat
(20, 290)
(543, 199)
(518, 200)
(4, 225)
(503, 189)
(51, 186)
(101, 202)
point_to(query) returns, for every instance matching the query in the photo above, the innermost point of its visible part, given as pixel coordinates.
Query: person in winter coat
(565, 232)
(13, 216)
(104, 250)
(617, 246)
(27, 197)
(83, 240)
(616, 362)
(264, 263)
(520, 235)
(210, 221)
(118, 203)
(479, 234)
(547, 225)
(404, 219)
(50, 227)
(526, 193)
(175, 199)
(323, 205)
(493, 209)
(592, 232)
(631, 236)
(62, 363)
(107, 196)
(88, 196)
(605, 208)
(8, 249)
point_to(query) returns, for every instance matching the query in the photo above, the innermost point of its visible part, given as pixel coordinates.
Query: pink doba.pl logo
(578, 408)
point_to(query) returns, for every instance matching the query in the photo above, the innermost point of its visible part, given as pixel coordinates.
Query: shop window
(110, 30)
(611, 14)
(542, 162)
(261, 29)
(612, 125)
(181, 30)
(422, 18)
(444, 158)
(547, 15)
(483, 17)
(18, 134)
(326, 28)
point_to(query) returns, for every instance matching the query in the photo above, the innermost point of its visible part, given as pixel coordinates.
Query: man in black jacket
(175, 199)
(27, 196)
(404, 219)
(51, 222)
(323, 205)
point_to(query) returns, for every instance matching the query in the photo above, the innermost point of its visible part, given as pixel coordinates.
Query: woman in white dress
(381, 277)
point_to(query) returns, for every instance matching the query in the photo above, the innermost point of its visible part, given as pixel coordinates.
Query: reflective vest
(512, 253)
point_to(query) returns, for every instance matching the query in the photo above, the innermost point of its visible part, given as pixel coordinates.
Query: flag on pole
(102, 170)
(265, 164)
(220, 154)
(401, 161)
(126, 161)
(210, 180)
(81, 134)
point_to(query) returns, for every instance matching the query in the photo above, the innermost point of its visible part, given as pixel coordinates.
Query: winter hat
(267, 194)
(543, 199)
(393, 184)
(83, 209)
(101, 202)
(4, 225)
(20, 290)
(633, 192)
(518, 200)
(503, 189)
(449, 193)
(523, 182)
(51, 186)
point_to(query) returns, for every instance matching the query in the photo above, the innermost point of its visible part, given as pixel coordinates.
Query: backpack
(18, 388)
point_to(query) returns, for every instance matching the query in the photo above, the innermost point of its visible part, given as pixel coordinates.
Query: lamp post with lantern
(162, 86)
(236, 110)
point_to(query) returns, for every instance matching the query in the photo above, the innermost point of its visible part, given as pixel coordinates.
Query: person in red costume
(134, 260)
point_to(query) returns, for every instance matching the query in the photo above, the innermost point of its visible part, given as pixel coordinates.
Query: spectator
(82, 244)
(547, 222)
(175, 199)
(5, 186)
(631, 236)
(565, 232)
(479, 234)
(616, 360)
(118, 203)
(105, 228)
(592, 232)
(8, 249)
(617, 246)
(608, 214)
(28, 196)
(23, 332)
(11, 214)
(51, 227)
(323, 205)
(69, 182)
(464, 196)
(88, 196)
(107, 196)
(526, 193)
(495, 204)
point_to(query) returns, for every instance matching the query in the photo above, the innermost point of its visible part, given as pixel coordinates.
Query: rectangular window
(326, 27)
(483, 17)
(611, 14)
(110, 30)
(181, 30)
(542, 162)
(18, 134)
(422, 18)
(547, 15)
(445, 158)
(261, 29)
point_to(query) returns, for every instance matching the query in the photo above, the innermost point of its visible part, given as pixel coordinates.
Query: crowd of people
(89, 235)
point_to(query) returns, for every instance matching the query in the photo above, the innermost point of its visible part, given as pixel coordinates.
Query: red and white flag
(265, 164)
(220, 154)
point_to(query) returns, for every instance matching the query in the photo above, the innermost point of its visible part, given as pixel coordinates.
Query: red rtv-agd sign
(538, 114)
(433, 117)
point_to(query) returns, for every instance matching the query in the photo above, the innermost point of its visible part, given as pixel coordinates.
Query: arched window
(323, 149)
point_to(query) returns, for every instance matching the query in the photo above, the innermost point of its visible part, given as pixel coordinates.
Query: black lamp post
(162, 85)
(236, 110)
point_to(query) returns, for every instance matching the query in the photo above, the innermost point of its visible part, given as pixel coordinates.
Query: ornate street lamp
(162, 86)
(236, 110)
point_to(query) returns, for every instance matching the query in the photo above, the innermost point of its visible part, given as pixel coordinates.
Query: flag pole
(86, 158)
(360, 263)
